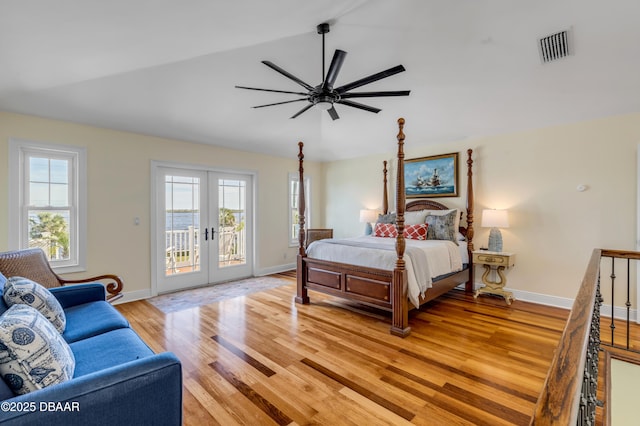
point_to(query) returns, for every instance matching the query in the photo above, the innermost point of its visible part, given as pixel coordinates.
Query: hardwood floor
(263, 360)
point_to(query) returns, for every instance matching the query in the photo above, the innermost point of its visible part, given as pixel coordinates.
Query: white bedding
(443, 257)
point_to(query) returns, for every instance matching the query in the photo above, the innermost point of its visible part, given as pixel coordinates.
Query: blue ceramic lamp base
(495, 240)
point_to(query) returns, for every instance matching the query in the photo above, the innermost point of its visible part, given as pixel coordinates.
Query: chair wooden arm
(114, 289)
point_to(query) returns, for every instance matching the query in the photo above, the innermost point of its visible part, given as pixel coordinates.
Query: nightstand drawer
(495, 259)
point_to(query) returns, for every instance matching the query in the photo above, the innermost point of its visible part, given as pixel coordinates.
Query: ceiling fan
(324, 95)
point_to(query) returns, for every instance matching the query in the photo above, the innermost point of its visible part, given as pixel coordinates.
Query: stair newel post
(400, 320)
(302, 294)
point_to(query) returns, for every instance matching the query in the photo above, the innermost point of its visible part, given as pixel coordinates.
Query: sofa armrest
(78, 294)
(146, 391)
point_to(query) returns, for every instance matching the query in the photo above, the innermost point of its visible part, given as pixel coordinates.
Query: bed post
(400, 312)
(385, 197)
(469, 284)
(301, 294)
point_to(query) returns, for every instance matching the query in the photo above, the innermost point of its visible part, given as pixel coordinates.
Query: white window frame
(295, 177)
(19, 153)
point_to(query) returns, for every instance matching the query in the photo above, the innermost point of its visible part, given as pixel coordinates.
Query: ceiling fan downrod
(323, 29)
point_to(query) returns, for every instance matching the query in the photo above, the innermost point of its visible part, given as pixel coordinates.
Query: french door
(203, 227)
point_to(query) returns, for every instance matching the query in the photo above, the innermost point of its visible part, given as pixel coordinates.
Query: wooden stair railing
(569, 393)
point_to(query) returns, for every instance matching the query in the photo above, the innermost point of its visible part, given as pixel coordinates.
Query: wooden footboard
(370, 286)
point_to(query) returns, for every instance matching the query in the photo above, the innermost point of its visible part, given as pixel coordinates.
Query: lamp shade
(495, 218)
(368, 216)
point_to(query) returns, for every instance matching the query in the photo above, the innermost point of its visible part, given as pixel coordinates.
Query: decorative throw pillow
(385, 230)
(444, 212)
(33, 355)
(19, 290)
(387, 218)
(442, 227)
(416, 232)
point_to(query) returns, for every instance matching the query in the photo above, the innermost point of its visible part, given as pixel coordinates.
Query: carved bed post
(399, 302)
(302, 294)
(385, 197)
(469, 284)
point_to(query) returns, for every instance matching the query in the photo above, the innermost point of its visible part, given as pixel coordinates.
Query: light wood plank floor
(263, 360)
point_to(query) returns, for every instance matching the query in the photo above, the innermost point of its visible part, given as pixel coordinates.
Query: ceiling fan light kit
(324, 95)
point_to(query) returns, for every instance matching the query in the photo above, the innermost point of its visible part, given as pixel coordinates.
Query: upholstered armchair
(33, 264)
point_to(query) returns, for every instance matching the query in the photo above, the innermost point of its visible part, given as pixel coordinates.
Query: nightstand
(497, 261)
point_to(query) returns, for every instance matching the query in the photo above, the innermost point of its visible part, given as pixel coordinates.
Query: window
(48, 202)
(294, 190)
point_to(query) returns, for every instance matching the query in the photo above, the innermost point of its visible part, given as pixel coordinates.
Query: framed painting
(435, 176)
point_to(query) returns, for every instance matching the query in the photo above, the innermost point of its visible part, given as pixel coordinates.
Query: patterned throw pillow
(416, 232)
(385, 230)
(33, 355)
(23, 291)
(442, 227)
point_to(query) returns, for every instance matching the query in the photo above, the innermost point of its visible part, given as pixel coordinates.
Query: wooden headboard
(416, 205)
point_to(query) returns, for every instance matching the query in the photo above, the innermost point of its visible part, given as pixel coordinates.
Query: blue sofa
(118, 379)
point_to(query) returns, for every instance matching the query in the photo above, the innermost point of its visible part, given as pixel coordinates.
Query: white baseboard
(274, 269)
(565, 303)
(130, 296)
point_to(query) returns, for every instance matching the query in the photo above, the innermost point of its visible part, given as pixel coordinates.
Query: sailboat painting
(435, 176)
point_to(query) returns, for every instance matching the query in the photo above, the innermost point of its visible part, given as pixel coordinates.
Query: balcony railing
(183, 248)
(569, 395)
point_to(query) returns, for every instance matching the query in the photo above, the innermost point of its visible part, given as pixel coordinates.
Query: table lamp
(495, 219)
(368, 217)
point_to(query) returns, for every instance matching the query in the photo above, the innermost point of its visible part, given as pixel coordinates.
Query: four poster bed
(388, 287)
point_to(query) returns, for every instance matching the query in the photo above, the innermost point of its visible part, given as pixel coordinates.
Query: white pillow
(19, 290)
(33, 355)
(415, 218)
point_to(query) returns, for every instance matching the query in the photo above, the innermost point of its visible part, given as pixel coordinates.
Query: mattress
(424, 259)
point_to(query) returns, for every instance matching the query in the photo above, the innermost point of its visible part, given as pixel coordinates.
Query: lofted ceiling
(168, 68)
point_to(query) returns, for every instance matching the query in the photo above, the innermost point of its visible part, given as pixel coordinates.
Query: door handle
(206, 234)
(213, 231)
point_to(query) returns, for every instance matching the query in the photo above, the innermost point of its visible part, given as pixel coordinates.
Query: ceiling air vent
(554, 46)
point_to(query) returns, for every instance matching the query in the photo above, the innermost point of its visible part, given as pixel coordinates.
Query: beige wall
(534, 175)
(119, 190)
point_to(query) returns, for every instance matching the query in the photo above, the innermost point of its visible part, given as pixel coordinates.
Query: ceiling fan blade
(334, 69)
(333, 113)
(287, 74)
(370, 79)
(375, 94)
(301, 111)
(360, 106)
(271, 90)
(280, 103)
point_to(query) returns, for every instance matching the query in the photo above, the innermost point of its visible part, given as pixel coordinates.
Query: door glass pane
(49, 230)
(182, 229)
(232, 218)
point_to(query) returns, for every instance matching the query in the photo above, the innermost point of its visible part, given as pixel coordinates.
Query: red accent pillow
(385, 230)
(412, 232)
(416, 232)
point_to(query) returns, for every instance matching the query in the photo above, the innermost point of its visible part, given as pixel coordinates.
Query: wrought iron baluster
(613, 288)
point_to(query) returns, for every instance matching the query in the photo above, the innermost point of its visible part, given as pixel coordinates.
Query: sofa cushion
(33, 355)
(108, 350)
(91, 319)
(19, 290)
